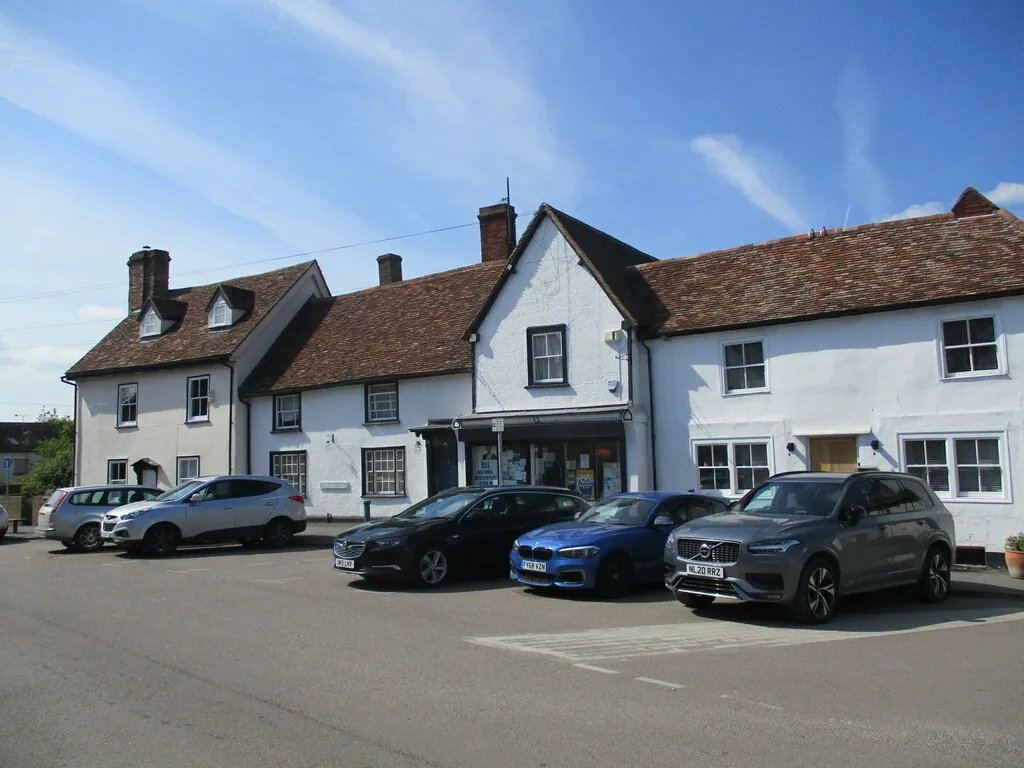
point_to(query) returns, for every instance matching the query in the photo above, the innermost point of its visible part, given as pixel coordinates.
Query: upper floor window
(382, 402)
(127, 405)
(958, 466)
(970, 346)
(198, 392)
(732, 467)
(287, 412)
(546, 355)
(384, 471)
(150, 325)
(220, 313)
(744, 366)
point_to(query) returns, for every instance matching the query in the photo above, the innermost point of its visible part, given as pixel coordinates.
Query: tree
(55, 467)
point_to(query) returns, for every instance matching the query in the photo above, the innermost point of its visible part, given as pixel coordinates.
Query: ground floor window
(290, 466)
(732, 467)
(384, 471)
(188, 468)
(117, 471)
(969, 466)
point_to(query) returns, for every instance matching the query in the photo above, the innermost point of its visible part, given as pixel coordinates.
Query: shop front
(580, 450)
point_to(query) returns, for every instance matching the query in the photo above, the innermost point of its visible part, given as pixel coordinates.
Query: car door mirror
(663, 520)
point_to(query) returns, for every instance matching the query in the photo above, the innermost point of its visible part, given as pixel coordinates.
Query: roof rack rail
(868, 469)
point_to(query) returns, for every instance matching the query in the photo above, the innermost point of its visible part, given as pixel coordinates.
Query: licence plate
(341, 562)
(708, 571)
(532, 565)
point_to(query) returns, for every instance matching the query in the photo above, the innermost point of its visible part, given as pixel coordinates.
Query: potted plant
(1015, 555)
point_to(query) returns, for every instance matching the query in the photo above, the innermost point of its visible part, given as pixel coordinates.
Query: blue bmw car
(618, 542)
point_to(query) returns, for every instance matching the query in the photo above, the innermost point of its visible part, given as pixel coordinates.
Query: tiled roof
(975, 252)
(399, 330)
(189, 340)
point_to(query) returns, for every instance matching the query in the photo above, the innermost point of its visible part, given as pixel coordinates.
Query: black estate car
(461, 527)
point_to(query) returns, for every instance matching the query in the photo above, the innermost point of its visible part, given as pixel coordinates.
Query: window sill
(134, 425)
(974, 499)
(382, 422)
(385, 496)
(741, 392)
(547, 385)
(275, 430)
(972, 375)
(204, 420)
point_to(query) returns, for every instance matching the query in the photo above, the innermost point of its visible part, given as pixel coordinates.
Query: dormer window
(150, 325)
(228, 305)
(220, 313)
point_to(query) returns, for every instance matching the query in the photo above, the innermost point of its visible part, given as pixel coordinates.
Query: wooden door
(833, 454)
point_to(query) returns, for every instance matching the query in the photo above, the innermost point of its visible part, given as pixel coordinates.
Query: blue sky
(231, 131)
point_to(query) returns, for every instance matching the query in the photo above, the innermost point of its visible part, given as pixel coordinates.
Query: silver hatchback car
(73, 515)
(803, 539)
(248, 509)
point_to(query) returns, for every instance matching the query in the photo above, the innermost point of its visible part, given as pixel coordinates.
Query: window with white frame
(127, 405)
(198, 394)
(117, 471)
(546, 352)
(188, 468)
(382, 402)
(150, 325)
(287, 412)
(384, 472)
(744, 366)
(970, 346)
(290, 466)
(958, 466)
(220, 313)
(732, 467)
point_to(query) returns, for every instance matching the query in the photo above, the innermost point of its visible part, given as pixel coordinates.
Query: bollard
(366, 510)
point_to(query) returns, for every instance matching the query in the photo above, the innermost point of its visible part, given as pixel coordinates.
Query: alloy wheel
(433, 567)
(821, 592)
(938, 574)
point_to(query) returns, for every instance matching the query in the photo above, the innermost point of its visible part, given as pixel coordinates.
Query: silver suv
(248, 509)
(803, 539)
(72, 516)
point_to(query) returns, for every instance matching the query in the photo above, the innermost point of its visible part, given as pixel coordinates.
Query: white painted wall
(549, 287)
(333, 435)
(877, 376)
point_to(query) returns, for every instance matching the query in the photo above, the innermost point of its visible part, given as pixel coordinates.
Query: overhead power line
(100, 286)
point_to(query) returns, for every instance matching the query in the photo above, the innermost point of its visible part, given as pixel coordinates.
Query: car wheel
(433, 568)
(694, 601)
(934, 583)
(87, 538)
(817, 593)
(161, 539)
(614, 576)
(278, 533)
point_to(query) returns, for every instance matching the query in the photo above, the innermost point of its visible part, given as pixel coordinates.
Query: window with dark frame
(198, 398)
(382, 402)
(744, 366)
(290, 466)
(127, 405)
(287, 412)
(546, 361)
(117, 471)
(969, 346)
(384, 471)
(188, 469)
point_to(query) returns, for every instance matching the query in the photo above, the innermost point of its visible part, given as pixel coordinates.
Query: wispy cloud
(916, 211)
(38, 77)
(726, 156)
(1007, 193)
(100, 312)
(856, 107)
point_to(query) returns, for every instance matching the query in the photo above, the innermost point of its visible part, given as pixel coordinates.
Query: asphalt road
(224, 657)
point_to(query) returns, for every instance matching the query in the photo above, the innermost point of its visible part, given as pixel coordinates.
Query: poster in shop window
(585, 483)
(612, 478)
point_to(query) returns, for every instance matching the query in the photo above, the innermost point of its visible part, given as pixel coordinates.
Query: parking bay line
(592, 668)
(257, 565)
(663, 683)
(187, 570)
(279, 581)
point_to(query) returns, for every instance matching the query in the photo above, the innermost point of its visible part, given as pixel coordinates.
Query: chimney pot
(497, 232)
(149, 273)
(389, 265)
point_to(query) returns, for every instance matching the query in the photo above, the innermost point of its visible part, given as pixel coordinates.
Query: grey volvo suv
(803, 539)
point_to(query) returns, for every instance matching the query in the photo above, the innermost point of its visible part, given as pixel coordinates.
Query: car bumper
(392, 562)
(558, 572)
(758, 579)
(122, 534)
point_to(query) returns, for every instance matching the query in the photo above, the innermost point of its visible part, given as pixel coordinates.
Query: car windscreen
(448, 505)
(620, 511)
(180, 492)
(794, 497)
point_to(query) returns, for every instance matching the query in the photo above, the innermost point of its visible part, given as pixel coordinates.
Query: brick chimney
(390, 267)
(149, 274)
(497, 232)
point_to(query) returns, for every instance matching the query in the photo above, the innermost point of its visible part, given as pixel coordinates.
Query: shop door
(833, 454)
(442, 463)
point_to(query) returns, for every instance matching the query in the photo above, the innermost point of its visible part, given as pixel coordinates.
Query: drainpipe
(231, 416)
(74, 433)
(650, 413)
(248, 434)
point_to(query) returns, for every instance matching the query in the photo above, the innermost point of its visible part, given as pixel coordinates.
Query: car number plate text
(709, 571)
(341, 562)
(533, 565)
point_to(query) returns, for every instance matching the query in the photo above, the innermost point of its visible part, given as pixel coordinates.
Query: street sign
(497, 425)
(8, 462)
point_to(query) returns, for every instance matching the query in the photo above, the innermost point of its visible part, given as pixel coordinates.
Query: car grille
(108, 526)
(725, 552)
(539, 553)
(533, 577)
(349, 549)
(710, 586)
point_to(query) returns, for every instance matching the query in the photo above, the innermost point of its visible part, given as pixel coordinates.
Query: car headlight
(134, 513)
(578, 553)
(384, 543)
(773, 547)
(515, 544)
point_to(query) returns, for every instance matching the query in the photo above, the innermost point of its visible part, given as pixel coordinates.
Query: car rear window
(54, 498)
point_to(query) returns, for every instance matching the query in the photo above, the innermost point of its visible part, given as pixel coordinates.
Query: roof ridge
(304, 264)
(420, 279)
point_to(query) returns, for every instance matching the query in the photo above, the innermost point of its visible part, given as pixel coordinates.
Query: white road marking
(257, 565)
(317, 560)
(187, 570)
(621, 643)
(279, 581)
(597, 669)
(664, 683)
(112, 565)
